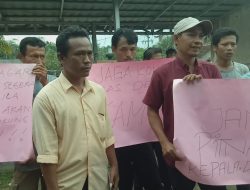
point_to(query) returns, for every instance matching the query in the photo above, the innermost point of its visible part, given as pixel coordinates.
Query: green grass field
(6, 171)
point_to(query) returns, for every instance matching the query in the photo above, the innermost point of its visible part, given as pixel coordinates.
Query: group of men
(72, 132)
(156, 53)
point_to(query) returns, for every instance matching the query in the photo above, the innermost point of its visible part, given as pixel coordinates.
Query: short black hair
(221, 33)
(170, 51)
(129, 34)
(62, 45)
(148, 54)
(32, 41)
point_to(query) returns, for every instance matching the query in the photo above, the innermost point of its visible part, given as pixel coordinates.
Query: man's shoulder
(96, 86)
(240, 65)
(49, 88)
(165, 67)
(241, 68)
(246, 76)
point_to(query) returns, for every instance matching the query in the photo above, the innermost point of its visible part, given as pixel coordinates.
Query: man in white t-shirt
(224, 41)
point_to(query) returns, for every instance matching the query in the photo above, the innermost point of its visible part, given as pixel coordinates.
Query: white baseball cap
(191, 22)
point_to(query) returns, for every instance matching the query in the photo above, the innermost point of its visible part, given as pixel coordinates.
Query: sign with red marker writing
(16, 94)
(212, 130)
(126, 84)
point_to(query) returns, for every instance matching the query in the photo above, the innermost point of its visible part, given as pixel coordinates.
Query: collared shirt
(73, 131)
(160, 91)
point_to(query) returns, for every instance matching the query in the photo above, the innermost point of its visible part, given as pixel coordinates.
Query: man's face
(123, 51)
(34, 55)
(190, 42)
(78, 61)
(226, 47)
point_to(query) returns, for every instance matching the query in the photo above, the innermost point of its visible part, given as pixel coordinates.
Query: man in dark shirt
(188, 39)
(135, 160)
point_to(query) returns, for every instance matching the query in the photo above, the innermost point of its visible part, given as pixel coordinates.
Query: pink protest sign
(212, 130)
(126, 84)
(16, 94)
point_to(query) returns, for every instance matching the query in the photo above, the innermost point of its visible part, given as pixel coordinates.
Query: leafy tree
(104, 53)
(8, 49)
(51, 60)
(15, 49)
(165, 42)
(139, 53)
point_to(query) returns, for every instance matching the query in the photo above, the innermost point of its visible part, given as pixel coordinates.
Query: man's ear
(61, 58)
(175, 39)
(113, 49)
(20, 56)
(214, 48)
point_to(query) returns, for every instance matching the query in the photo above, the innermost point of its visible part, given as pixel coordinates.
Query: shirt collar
(66, 85)
(185, 66)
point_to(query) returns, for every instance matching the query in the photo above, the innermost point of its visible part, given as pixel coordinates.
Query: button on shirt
(160, 91)
(73, 131)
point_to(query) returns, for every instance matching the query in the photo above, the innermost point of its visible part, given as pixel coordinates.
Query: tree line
(9, 50)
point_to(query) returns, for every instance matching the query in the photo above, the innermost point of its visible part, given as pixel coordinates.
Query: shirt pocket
(101, 129)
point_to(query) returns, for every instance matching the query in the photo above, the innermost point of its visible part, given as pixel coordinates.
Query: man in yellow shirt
(71, 128)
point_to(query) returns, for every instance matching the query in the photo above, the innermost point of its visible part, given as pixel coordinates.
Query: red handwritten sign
(16, 94)
(126, 84)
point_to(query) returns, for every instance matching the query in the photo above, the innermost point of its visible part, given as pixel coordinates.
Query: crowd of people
(72, 132)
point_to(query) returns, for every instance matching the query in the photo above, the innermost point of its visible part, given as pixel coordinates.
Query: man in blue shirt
(32, 51)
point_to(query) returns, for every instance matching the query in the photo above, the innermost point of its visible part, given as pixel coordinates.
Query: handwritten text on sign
(16, 93)
(212, 130)
(126, 84)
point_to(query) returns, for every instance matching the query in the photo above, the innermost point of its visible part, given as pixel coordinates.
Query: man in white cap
(188, 38)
